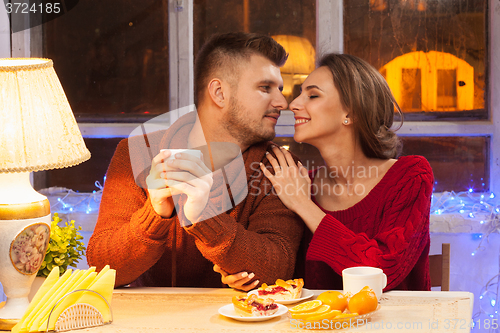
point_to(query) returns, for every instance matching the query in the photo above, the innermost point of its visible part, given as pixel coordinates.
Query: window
(112, 59)
(440, 55)
(291, 23)
(433, 53)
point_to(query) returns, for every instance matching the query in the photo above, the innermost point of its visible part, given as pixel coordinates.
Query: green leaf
(65, 247)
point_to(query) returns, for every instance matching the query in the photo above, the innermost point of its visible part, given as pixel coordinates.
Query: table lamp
(37, 132)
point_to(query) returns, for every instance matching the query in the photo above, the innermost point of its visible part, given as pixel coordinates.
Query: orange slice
(305, 315)
(327, 315)
(308, 306)
(346, 315)
(282, 283)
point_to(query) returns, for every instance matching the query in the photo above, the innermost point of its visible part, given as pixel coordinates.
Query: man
(166, 222)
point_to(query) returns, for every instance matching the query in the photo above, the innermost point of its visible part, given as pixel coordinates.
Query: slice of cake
(249, 306)
(282, 290)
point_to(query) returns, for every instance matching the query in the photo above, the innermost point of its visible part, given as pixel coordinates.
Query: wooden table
(196, 310)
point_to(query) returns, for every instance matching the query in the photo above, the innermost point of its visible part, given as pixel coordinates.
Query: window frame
(329, 38)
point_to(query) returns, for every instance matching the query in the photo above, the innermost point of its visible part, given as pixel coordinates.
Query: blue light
(493, 303)
(482, 222)
(492, 195)
(482, 196)
(481, 297)
(461, 211)
(473, 253)
(452, 198)
(471, 215)
(471, 190)
(477, 236)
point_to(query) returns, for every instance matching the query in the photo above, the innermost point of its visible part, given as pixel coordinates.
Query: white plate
(306, 293)
(228, 311)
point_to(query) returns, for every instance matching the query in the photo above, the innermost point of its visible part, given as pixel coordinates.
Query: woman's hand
(237, 281)
(290, 181)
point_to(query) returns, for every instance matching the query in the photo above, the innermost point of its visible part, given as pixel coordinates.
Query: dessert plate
(228, 311)
(306, 293)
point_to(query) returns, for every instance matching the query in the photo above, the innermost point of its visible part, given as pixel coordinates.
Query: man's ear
(217, 92)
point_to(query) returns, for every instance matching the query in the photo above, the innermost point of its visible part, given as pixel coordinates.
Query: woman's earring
(346, 121)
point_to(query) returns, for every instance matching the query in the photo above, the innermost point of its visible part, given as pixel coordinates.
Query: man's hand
(237, 281)
(187, 174)
(159, 193)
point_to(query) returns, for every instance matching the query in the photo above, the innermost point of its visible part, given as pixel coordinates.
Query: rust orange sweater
(259, 235)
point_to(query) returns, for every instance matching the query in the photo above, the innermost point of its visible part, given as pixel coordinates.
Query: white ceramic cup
(356, 278)
(193, 152)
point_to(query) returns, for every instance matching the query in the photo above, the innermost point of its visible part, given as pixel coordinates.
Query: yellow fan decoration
(58, 294)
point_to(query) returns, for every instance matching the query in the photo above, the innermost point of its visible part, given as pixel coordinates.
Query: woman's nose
(295, 105)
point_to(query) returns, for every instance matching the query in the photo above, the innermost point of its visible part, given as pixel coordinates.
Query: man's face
(255, 102)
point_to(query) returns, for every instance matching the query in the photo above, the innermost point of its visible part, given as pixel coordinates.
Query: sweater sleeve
(129, 235)
(266, 245)
(401, 237)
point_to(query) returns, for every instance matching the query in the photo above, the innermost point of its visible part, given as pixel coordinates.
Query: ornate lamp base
(7, 324)
(23, 244)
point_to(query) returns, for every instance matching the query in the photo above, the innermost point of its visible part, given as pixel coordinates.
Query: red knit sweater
(259, 235)
(389, 229)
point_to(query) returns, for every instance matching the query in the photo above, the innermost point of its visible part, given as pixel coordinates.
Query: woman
(364, 207)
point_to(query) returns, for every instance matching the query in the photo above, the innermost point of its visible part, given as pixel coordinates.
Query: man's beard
(243, 130)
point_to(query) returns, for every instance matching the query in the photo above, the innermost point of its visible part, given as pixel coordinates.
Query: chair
(439, 266)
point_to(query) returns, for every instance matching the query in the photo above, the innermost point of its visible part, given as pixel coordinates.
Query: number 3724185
(478, 323)
(35, 8)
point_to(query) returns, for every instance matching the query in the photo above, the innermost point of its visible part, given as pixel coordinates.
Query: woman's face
(318, 111)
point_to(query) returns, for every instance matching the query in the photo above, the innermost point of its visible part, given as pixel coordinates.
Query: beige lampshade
(38, 130)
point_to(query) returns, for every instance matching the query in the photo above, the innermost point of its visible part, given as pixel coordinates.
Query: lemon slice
(305, 315)
(308, 306)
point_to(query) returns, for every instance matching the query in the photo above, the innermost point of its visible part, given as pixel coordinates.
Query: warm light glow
(300, 62)
(432, 81)
(37, 128)
(11, 63)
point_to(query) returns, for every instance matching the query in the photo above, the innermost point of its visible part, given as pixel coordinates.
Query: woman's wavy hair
(367, 97)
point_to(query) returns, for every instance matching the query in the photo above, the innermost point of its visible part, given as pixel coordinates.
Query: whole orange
(335, 299)
(363, 302)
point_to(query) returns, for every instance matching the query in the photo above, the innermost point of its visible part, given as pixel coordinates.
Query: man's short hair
(222, 54)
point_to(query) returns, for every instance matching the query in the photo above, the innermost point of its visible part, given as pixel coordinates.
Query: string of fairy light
(484, 208)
